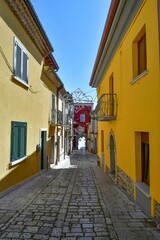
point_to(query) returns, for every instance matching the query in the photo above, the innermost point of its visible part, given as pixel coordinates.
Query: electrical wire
(5, 59)
(34, 91)
(90, 91)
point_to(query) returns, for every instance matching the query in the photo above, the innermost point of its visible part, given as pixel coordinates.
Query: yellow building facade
(127, 77)
(26, 96)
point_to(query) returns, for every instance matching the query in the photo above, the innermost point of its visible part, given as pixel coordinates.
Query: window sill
(145, 72)
(20, 81)
(143, 188)
(17, 161)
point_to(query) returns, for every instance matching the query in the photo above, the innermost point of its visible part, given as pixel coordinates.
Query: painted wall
(18, 103)
(82, 113)
(138, 103)
(82, 117)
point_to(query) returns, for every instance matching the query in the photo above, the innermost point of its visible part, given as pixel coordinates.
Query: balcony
(59, 117)
(53, 117)
(67, 122)
(106, 109)
(56, 117)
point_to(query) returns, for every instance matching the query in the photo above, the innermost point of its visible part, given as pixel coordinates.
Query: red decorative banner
(82, 116)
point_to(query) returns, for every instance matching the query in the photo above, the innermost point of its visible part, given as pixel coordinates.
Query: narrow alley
(73, 201)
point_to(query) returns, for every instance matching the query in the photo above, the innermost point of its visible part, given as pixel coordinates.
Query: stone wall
(125, 182)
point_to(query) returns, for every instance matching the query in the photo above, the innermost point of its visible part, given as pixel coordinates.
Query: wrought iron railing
(67, 121)
(53, 117)
(106, 109)
(56, 117)
(59, 117)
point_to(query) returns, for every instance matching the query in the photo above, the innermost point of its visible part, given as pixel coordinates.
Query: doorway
(102, 150)
(145, 158)
(112, 155)
(52, 149)
(142, 183)
(82, 143)
(43, 149)
(58, 150)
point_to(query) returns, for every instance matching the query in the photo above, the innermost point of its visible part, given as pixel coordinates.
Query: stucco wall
(138, 103)
(19, 103)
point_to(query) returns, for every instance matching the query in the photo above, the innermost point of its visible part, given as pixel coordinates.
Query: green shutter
(22, 140)
(14, 142)
(18, 140)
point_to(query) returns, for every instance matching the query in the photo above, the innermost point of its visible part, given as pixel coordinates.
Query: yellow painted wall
(18, 103)
(138, 104)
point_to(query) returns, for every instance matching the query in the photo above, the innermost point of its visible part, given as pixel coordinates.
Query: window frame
(82, 118)
(136, 57)
(18, 140)
(142, 54)
(22, 71)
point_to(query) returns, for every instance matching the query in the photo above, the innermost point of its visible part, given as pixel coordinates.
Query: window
(53, 102)
(82, 117)
(139, 53)
(142, 157)
(18, 140)
(142, 54)
(20, 62)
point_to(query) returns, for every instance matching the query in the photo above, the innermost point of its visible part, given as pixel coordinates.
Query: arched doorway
(112, 155)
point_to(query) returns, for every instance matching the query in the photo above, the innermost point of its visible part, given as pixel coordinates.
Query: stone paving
(76, 202)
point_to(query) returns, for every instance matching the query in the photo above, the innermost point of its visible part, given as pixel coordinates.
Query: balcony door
(111, 97)
(53, 102)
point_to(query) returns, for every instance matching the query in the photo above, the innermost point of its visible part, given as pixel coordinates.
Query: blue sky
(74, 28)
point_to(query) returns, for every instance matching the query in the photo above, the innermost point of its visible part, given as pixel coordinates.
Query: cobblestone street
(77, 201)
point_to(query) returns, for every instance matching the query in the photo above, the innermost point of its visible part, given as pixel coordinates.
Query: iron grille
(56, 117)
(106, 108)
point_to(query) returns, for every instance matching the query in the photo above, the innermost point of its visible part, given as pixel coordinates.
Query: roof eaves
(107, 27)
(51, 62)
(26, 15)
(36, 18)
(52, 75)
